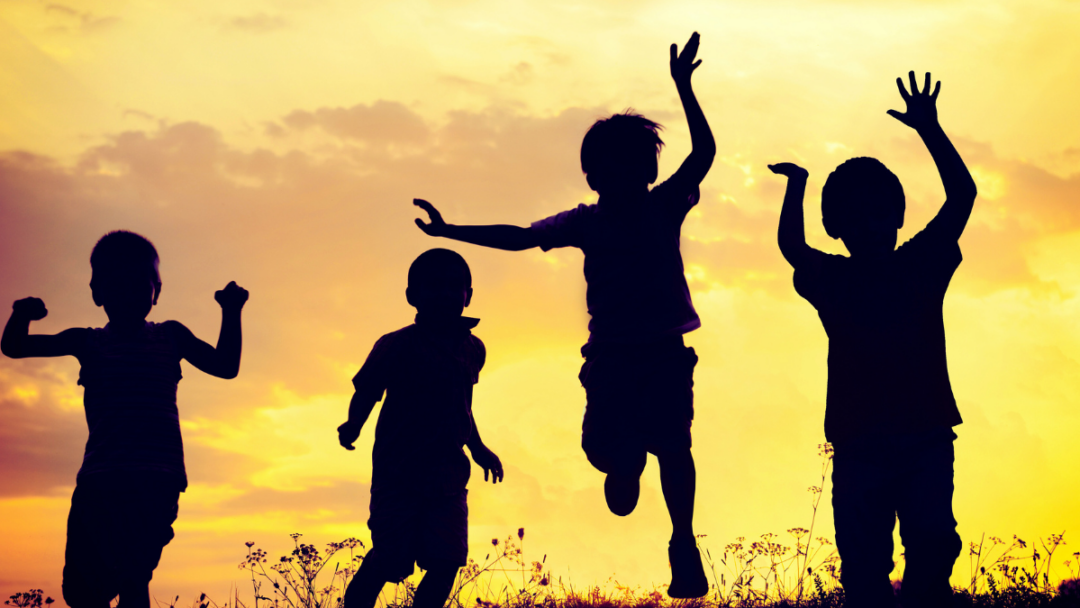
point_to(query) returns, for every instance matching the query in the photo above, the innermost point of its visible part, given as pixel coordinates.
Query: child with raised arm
(128, 489)
(427, 370)
(638, 374)
(890, 408)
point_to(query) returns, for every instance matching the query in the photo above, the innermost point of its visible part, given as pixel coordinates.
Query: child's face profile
(125, 296)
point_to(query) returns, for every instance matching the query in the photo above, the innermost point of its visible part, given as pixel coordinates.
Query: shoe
(621, 492)
(687, 574)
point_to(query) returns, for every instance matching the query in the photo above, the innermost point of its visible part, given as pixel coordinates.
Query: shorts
(639, 399)
(408, 526)
(116, 530)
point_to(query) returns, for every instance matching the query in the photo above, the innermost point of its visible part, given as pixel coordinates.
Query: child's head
(440, 284)
(125, 279)
(619, 154)
(862, 204)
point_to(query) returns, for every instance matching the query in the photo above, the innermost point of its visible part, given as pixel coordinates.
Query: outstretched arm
(223, 361)
(792, 233)
(960, 190)
(509, 238)
(17, 342)
(697, 164)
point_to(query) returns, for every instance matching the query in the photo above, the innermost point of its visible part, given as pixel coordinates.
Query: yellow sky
(279, 143)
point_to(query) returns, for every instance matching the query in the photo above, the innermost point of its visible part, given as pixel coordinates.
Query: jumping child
(890, 408)
(638, 374)
(128, 488)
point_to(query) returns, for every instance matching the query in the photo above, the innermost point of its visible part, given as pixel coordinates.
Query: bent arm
(222, 361)
(18, 343)
(960, 189)
(499, 236)
(791, 235)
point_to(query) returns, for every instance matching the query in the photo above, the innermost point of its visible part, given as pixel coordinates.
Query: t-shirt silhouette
(428, 375)
(637, 289)
(887, 366)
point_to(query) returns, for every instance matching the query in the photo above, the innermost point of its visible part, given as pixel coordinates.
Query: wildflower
(521, 533)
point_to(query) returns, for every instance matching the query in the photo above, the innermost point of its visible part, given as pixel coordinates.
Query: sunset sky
(279, 143)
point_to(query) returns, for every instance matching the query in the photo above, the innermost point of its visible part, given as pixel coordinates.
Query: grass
(766, 573)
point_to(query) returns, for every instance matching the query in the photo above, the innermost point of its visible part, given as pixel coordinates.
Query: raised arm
(17, 342)
(697, 164)
(508, 238)
(791, 235)
(223, 361)
(960, 190)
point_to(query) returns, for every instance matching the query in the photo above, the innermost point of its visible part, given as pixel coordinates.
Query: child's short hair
(122, 252)
(859, 189)
(438, 267)
(623, 138)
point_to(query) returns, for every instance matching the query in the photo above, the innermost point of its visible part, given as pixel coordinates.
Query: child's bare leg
(678, 478)
(364, 589)
(435, 587)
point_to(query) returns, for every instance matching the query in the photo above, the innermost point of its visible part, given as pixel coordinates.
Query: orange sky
(279, 144)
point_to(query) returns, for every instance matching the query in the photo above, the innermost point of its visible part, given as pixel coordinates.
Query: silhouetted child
(638, 374)
(128, 488)
(890, 408)
(419, 470)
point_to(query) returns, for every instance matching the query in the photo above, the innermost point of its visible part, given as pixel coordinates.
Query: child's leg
(864, 513)
(678, 478)
(927, 526)
(144, 507)
(435, 587)
(363, 590)
(609, 434)
(87, 580)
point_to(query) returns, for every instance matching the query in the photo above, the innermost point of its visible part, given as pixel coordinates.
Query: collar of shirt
(460, 323)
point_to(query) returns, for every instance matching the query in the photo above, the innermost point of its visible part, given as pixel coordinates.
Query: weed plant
(766, 573)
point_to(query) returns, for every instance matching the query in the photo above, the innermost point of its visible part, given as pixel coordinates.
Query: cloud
(258, 23)
(81, 21)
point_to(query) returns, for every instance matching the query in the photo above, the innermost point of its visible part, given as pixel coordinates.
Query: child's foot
(687, 574)
(621, 492)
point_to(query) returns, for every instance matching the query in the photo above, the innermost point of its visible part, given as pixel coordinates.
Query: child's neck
(126, 326)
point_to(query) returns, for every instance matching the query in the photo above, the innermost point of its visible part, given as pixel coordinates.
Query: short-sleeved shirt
(887, 366)
(130, 398)
(427, 375)
(637, 289)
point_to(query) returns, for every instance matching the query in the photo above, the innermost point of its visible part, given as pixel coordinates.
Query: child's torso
(130, 398)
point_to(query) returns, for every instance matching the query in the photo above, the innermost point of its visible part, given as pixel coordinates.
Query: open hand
(789, 170)
(232, 297)
(921, 106)
(683, 64)
(436, 225)
(30, 308)
(487, 460)
(348, 433)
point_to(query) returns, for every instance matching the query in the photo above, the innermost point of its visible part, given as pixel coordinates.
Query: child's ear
(94, 294)
(900, 219)
(409, 297)
(468, 297)
(593, 183)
